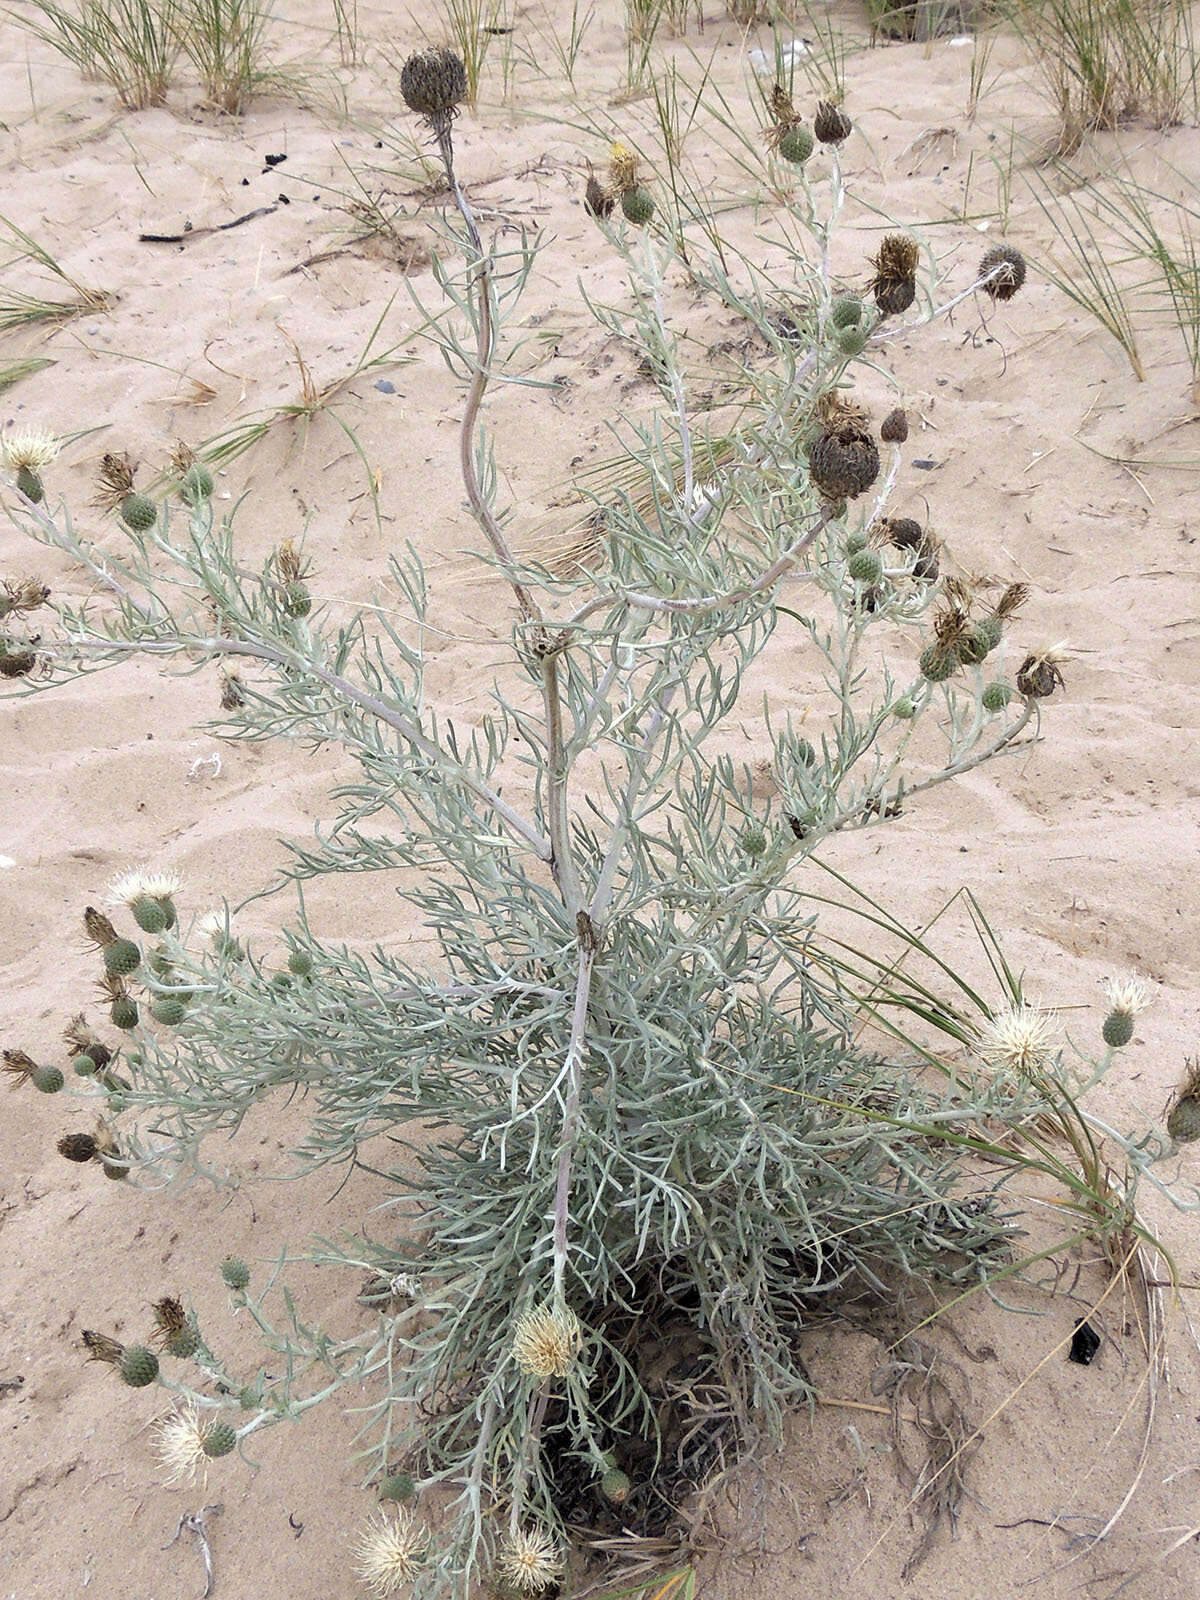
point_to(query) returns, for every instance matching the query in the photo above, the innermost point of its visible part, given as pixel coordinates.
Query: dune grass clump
(630, 1137)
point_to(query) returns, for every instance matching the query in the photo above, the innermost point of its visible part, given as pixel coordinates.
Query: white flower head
(28, 449)
(1128, 996)
(141, 884)
(530, 1559)
(214, 925)
(179, 1444)
(546, 1341)
(1020, 1038)
(390, 1552)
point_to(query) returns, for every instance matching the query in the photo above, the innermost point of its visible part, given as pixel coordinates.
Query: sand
(1081, 847)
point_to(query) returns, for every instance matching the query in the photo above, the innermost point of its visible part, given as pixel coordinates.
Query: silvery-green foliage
(627, 1062)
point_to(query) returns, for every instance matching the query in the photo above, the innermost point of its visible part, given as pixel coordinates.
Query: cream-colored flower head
(213, 925)
(30, 449)
(142, 885)
(530, 1559)
(546, 1342)
(1019, 1038)
(1128, 996)
(390, 1552)
(179, 1444)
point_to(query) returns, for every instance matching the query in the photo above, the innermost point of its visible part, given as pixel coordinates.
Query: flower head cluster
(546, 1342)
(1020, 1038)
(390, 1552)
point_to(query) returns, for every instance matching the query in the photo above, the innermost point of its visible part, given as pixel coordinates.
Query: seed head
(433, 83)
(530, 1560)
(170, 1319)
(894, 427)
(1003, 268)
(830, 125)
(29, 449)
(1039, 675)
(390, 1552)
(1019, 1038)
(546, 1341)
(894, 284)
(77, 1147)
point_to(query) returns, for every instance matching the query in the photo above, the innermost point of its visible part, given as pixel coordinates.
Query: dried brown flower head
(116, 480)
(598, 201)
(895, 284)
(894, 427)
(78, 1147)
(170, 1319)
(622, 168)
(830, 125)
(81, 1041)
(844, 459)
(433, 83)
(231, 690)
(23, 594)
(101, 1348)
(19, 1066)
(1039, 675)
(17, 663)
(1003, 267)
(98, 928)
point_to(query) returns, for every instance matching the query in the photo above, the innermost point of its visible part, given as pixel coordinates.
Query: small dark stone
(1084, 1343)
(385, 386)
(925, 464)
(273, 161)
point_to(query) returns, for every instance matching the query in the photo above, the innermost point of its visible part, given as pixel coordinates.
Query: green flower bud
(638, 205)
(297, 601)
(196, 485)
(865, 566)
(121, 958)
(852, 341)
(148, 914)
(219, 1440)
(30, 484)
(904, 709)
(397, 1486)
(996, 696)
(796, 145)
(138, 1366)
(300, 963)
(753, 841)
(235, 1273)
(168, 1010)
(183, 1344)
(937, 664)
(124, 1013)
(138, 512)
(615, 1486)
(83, 1066)
(847, 312)
(1183, 1124)
(48, 1079)
(1117, 1030)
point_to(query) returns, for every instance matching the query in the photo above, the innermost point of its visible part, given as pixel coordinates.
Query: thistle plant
(625, 1103)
